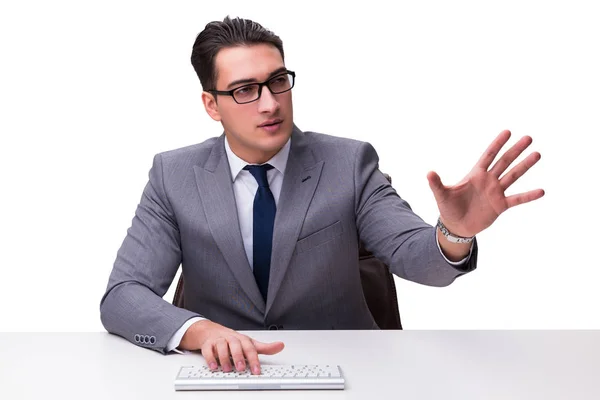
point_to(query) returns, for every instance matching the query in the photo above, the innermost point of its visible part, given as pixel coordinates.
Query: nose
(267, 103)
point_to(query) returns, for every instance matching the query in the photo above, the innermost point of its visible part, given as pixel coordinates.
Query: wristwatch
(453, 238)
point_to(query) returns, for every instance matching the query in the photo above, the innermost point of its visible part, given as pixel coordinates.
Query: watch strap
(450, 236)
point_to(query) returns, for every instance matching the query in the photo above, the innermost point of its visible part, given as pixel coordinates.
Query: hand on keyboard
(221, 345)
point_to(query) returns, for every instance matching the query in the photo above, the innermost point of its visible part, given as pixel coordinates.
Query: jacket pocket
(319, 237)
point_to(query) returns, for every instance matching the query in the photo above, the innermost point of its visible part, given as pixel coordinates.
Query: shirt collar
(278, 161)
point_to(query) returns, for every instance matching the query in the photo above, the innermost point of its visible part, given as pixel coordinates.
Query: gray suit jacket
(333, 195)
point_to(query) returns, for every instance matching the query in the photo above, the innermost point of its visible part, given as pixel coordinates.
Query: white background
(90, 91)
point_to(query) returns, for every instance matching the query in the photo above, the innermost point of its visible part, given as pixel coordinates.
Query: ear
(210, 105)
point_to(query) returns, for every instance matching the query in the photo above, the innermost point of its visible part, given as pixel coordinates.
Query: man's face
(242, 123)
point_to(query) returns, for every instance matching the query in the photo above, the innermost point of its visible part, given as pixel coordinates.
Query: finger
(223, 352)
(522, 198)
(251, 354)
(209, 356)
(510, 156)
(519, 170)
(492, 151)
(237, 353)
(436, 185)
(268, 348)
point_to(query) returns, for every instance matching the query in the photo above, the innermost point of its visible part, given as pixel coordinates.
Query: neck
(256, 158)
(251, 156)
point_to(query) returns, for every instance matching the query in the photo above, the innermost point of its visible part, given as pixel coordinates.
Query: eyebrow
(253, 80)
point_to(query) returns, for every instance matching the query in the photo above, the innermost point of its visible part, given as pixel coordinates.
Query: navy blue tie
(263, 221)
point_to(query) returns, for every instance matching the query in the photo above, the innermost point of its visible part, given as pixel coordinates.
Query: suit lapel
(216, 191)
(300, 180)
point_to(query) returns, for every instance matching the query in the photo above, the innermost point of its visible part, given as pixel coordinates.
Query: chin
(276, 139)
(272, 144)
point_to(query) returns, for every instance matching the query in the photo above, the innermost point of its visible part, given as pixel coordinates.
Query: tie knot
(260, 173)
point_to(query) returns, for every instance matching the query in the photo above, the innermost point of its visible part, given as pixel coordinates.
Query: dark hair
(229, 33)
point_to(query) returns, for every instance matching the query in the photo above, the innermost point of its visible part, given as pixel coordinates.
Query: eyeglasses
(248, 93)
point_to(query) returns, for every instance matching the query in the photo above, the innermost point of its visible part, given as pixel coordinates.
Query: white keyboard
(272, 377)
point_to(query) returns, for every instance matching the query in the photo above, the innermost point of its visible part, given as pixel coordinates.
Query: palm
(476, 202)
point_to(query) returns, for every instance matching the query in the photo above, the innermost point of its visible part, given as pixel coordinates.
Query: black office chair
(378, 285)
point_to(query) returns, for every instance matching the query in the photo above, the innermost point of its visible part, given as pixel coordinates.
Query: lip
(271, 122)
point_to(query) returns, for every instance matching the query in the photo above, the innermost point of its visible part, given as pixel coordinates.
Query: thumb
(435, 183)
(268, 348)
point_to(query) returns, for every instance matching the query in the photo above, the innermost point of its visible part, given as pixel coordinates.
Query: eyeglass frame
(260, 87)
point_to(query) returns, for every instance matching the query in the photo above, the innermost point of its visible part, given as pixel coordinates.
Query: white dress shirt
(244, 189)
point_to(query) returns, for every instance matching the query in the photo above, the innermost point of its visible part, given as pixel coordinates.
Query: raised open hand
(472, 205)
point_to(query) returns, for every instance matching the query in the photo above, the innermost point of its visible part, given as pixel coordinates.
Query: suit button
(137, 338)
(273, 328)
(152, 340)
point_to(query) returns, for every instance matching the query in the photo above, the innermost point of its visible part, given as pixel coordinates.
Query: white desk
(397, 364)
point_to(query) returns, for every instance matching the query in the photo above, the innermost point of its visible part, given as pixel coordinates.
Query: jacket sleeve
(146, 263)
(389, 228)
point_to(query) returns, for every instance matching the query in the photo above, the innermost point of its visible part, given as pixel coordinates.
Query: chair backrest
(378, 287)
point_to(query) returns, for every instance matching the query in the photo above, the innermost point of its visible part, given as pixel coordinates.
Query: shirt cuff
(455, 263)
(176, 338)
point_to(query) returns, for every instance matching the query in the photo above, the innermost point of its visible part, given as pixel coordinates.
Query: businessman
(266, 219)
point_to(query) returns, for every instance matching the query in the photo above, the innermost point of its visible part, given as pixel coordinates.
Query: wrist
(194, 336)
(454, 252)
(452, 234)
